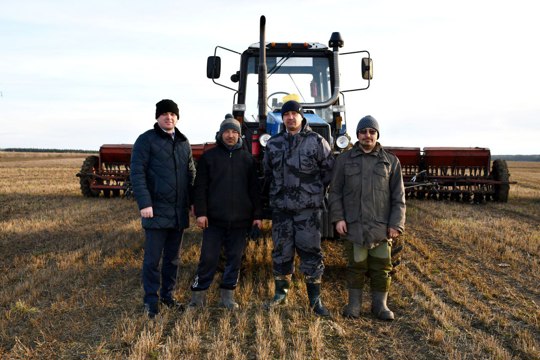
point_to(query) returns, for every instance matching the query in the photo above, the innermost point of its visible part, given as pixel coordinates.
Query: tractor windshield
(306, 79)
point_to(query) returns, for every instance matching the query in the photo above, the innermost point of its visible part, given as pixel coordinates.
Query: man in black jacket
(162, 175)
(227, 205)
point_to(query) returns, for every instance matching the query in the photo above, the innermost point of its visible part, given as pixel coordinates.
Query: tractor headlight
(342, 141)
(263, 139)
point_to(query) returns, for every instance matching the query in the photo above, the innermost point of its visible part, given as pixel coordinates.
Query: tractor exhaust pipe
(262, 77)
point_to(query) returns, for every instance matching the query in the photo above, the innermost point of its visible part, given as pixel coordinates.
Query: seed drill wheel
(500, 172)
(89, 165)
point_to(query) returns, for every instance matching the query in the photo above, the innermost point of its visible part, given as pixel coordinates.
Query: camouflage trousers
(376, 262)
(298, 232)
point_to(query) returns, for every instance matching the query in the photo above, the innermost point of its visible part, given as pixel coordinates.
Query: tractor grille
(324, 131)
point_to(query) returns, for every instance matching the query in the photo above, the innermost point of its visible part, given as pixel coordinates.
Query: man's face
(167, 121)
(292, 121)
(367, 138)
(230, 137)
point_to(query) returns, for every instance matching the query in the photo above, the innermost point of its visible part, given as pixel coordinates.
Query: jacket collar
(177, 134)
(304, 129)
(237, 146)
(357, 151)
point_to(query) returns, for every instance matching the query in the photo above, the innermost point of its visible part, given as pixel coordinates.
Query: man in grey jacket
(162, 175)
(298, 162)
(367, 205)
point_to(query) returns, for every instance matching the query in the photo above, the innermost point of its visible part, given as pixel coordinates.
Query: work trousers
(233, 242)
(376, 262)
(297, 232)
(164, 245)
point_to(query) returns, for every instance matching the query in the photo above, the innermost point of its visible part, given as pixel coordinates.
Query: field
(468, 286)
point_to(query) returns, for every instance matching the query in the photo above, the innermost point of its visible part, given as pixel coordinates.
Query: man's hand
(147, 212)
(393, 233)
(341, 227)
(202, 222)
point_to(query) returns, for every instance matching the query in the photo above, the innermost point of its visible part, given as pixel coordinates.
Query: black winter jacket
(162, 175)
(227, 188)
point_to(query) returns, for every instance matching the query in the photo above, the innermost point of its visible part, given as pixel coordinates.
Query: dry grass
(70, 280)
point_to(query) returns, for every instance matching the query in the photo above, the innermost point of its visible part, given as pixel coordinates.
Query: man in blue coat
(162, 176)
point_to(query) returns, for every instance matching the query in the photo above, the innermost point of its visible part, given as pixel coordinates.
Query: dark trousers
(166, 243)
(233, 242)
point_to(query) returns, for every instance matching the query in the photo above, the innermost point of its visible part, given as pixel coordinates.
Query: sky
(76, 75)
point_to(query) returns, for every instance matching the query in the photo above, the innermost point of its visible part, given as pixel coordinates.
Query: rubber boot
(227, 299)
(315, 303)
(378, 306)
(352, 309)
(282, 286)
(198, 298)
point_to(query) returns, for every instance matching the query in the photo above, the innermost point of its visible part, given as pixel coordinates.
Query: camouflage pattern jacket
(367, 192)
(299, 168)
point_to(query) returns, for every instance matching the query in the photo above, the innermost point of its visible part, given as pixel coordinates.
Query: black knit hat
(368, 121)
(167, 105)
(292, 105)
(229, 123)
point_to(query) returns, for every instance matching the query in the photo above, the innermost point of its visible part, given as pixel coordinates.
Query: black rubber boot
(282, 286)
(352, 309)
(378, 306)
(315, 303)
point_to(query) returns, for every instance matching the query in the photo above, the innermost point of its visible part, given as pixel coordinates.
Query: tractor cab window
(307, 77)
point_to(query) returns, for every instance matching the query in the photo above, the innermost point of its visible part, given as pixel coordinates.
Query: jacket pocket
(381, 176)
(353, 178)
(307, 162)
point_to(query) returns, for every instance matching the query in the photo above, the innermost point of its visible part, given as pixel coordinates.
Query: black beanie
(167, 105)
(292, 105)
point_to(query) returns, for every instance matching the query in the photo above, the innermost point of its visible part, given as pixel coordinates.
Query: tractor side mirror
(367, 68)
(213, 67)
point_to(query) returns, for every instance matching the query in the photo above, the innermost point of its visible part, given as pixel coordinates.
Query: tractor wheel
(89, 165)
(500, 172)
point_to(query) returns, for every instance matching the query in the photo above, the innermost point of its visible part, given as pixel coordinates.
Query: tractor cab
(307, 72)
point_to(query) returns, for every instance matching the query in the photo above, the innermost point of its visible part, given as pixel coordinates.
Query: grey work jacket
(367, 192)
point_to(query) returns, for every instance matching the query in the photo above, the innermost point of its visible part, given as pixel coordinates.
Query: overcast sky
(76, 75)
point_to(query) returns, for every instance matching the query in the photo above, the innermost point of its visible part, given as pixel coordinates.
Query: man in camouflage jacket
(367, 204)
(299, 163)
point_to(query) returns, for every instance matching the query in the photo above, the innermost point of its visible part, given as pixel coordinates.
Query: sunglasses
(370, 131)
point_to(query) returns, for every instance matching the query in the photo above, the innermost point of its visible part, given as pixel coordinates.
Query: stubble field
(468, 286)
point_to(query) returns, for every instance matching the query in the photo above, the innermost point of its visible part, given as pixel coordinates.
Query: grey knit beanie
(368, 121)
(229, 123)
